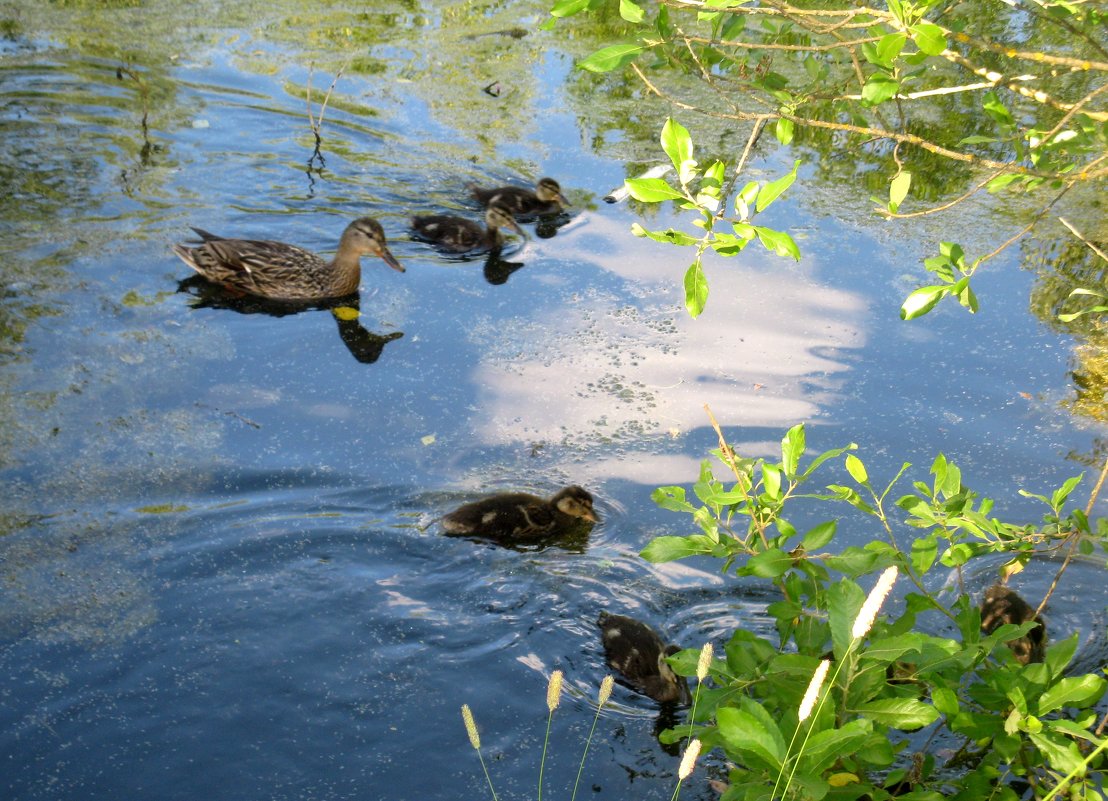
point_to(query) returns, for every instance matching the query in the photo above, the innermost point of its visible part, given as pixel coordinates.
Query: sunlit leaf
(784, 131)
(856, 469)
(630, 11)
(774, 189)
(878, 88)
(792, 448)
(929, 38)
(696, 289)
(567, 8)
(669, 236)
(922, 301)
(678, 146)
(652, 190)
(769, 564)
(778, 241)
(669, 549)
(1079, 691)
(819, 535)
(889, 48)
(752, 734)
(610, 58)
(898, 189)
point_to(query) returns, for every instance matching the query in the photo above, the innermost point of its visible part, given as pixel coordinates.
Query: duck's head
(548, 191)
(366, 237)
(576, 502)
(500, 217)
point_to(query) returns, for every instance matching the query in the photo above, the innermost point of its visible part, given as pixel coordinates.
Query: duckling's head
(1001, 605)
(548, 191)
(366, 237)
(500, 217)
(576, 502)
(668, 686)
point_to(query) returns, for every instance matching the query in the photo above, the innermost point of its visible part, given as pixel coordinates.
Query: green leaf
(669, 549)
(752, 734)
(826, 747)
(672, 498)
(630, 11)
(945, 701)
(1062, 754)
(567, 8)
(819, 535)
(922, 301)
(889, 47)
(652, 190)
(1078, 692)
(784, 131)
(778, 242)
(929, 38)
(879, 88)
(610, 58)
(769, 564)
(696, 289)
(774, 189)
(900, 713)
(669, 236)
(771, 480)
(1063, 492)
(678, 146)
(856, 469)
(898, 190)
(844, 599)
(792, 448)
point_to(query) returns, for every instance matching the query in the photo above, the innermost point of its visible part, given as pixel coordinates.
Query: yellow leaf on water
(428, 440)
(345, 313)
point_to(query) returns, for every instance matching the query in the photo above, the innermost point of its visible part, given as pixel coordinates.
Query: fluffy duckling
(637, 652)
(519, 516)
(278, 271)
(1001, 605)
(546, 199)
(460, 235)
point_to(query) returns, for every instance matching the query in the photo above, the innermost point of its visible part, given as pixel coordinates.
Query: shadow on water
(364, 345)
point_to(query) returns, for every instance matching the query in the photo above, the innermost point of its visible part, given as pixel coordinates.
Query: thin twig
(1088, 244)
(934, 210)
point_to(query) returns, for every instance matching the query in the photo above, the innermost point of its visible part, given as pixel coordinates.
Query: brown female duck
(460, 235)
(546, 199)
(639, 654)
(517, 516)
(278, 271)
(1001, 605)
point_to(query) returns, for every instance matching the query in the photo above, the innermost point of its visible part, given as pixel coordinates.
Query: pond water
(221, 576)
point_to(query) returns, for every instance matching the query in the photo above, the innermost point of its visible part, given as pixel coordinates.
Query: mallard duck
(519, 516)
(285, 272)
(1001, 605)
(546, 199)
(639, 654)
(461, 235)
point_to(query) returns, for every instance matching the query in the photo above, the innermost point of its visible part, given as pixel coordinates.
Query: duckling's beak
(389, 259)
(562, 199)
(590, 515)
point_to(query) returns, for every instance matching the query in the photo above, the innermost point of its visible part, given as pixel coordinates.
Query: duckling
(460, 235)
(546, 199)
(1001, 605)
(519, 516)
(278, 271)
(639, 654)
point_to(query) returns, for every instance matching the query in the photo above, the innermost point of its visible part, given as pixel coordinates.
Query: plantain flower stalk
(811, 695)
(704, 662)
(475, 741)
(868, 613)
(601, 699)
(688, 761)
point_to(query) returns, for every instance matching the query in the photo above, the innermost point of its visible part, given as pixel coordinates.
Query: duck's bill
(563, 199)
(514, 226)
(390, 260)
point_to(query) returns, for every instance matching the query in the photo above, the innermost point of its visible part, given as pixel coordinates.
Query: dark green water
(219, 575)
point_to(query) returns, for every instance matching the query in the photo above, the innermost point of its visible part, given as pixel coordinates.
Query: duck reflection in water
(365, 346)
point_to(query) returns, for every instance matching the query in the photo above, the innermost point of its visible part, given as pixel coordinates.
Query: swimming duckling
(519, 516)
(638, 653)
(461, 235)
(546, 199)
(285, 272)
(1001, 605)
